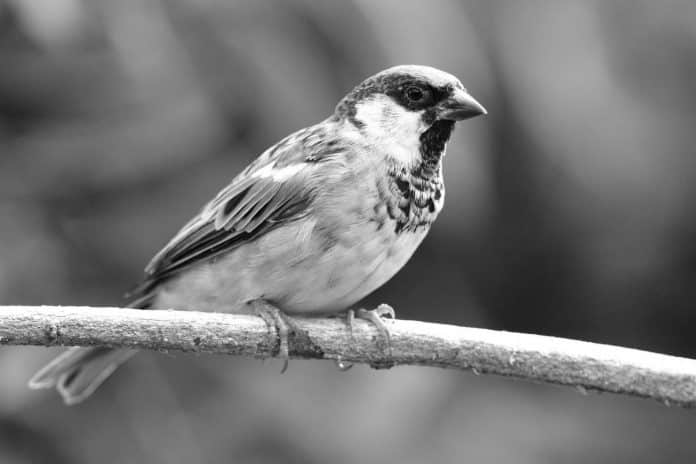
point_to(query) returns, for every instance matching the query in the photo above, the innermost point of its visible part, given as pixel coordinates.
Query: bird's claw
(375, 316)
(282, 324)
(384, 310)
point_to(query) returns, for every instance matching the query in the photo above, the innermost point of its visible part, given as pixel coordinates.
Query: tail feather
(78, 372)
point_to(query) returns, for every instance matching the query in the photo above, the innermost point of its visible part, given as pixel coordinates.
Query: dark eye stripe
(393, 85)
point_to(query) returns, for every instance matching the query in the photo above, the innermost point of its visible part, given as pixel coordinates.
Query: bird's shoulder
(290, 167)
(312, 144)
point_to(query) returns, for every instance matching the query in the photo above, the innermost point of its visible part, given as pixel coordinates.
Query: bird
(316, 223)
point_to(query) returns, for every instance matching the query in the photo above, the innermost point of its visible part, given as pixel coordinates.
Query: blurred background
(569, 212)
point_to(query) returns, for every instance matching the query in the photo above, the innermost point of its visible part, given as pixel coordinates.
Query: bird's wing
(274, 189)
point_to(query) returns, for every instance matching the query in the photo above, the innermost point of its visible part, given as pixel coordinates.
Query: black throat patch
(433, 141)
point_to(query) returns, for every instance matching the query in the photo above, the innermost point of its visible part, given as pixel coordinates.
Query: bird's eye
(415, 94)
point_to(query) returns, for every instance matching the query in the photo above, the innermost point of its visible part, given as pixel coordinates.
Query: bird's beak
(459, 106)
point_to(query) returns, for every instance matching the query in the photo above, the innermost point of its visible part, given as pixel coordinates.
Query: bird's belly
(296, 268)
(389, 262)
(351, 270)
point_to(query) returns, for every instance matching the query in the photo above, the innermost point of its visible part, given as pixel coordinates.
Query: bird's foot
(281, 323)
(375, 316)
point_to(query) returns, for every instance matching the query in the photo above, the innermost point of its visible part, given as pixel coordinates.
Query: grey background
(569, 212)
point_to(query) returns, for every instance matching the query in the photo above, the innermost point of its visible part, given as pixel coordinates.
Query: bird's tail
(79, 371)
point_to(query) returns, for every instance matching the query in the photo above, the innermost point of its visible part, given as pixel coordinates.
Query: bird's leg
(283, 324)
(375, 316)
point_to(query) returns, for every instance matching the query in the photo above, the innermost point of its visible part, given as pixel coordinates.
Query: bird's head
(409, 111)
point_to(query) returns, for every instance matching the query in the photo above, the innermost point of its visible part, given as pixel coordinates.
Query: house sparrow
(317, 222)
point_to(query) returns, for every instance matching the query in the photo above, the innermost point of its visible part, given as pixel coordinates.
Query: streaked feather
(271, 191)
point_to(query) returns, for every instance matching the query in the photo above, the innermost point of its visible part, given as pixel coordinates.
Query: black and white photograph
(399, 232)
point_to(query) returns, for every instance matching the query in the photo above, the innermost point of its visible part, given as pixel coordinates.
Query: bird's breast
(358, 257)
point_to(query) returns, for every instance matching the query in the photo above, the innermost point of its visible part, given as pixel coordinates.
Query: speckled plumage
(317, 222)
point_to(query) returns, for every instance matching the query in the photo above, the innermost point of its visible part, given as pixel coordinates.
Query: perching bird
(317, 222)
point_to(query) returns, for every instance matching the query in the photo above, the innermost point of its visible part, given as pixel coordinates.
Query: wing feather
(261, 192)
(272, 190)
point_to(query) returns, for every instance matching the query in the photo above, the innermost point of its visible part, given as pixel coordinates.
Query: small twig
(586, 366)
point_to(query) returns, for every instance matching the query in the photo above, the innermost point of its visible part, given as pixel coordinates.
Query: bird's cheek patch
(371, 112)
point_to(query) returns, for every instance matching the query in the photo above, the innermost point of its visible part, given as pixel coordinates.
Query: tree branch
(587, 366)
